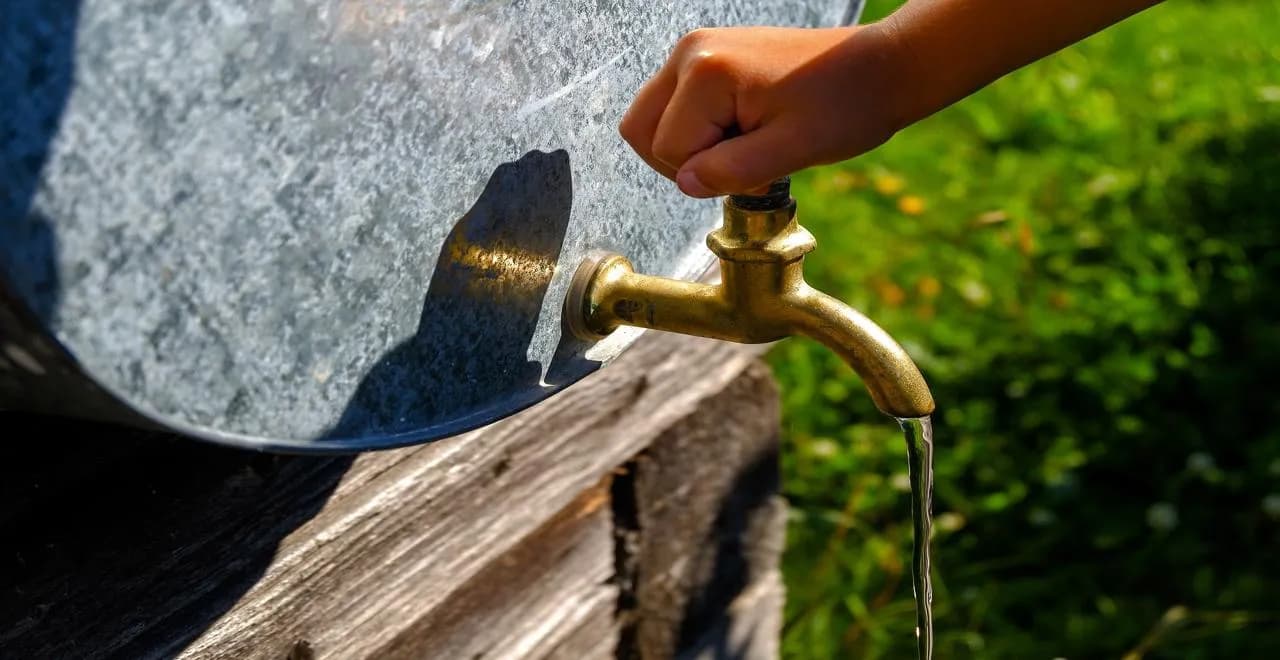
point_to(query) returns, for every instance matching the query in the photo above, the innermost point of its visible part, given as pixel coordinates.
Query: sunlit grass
(1083, 258)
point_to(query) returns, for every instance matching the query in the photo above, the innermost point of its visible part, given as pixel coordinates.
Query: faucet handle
(776, 197)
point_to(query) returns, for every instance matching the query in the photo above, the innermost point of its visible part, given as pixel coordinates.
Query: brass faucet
(762, 297)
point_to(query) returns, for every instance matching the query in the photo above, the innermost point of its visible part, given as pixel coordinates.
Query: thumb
(744, 163)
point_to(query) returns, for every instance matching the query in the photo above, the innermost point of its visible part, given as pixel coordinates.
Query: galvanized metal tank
(325, 225)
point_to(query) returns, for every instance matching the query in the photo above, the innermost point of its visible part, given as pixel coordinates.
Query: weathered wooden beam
(707, 522)
(498, 543)
(550, 594)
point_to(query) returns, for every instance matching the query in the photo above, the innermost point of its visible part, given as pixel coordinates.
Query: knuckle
(694, 39)
(709, 64)
(699, 54)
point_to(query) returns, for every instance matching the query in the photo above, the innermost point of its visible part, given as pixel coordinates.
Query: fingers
(679, 125)
(700, 109)
(683, 108)
(640, 123)
(745, 164)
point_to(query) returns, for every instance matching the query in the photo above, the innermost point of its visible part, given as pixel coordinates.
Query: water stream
(919, 435)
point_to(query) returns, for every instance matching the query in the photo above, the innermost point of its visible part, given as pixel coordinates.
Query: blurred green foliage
(1084, 258)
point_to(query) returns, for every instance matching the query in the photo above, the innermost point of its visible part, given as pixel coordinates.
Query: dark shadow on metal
(569, 363)
(37, 60)
(37, 51)
(479, 316)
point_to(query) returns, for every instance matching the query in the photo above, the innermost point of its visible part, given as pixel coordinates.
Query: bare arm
(803, 97)
(952, 48)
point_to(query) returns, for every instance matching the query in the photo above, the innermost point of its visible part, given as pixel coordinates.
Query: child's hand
(799, 97)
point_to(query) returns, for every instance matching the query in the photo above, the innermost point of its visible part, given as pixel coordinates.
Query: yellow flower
(888, 184)
(929, 286)
(891, 294)
(845, 181)
(911, 205)
(992, 218)
(1026, 240)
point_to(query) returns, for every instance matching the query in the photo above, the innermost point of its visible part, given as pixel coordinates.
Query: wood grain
(498, 543)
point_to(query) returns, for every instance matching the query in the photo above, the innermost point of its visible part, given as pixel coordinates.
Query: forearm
(951, 48)
(800, 97)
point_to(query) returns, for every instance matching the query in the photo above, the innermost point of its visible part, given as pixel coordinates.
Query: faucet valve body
(762, 297)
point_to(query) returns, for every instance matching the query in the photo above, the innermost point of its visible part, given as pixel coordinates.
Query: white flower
(1271, 505)
(1041, 517)
(823, 448)
(1162, 516)
(1200, 462)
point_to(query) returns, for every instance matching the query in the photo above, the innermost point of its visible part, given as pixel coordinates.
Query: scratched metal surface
(322, 225)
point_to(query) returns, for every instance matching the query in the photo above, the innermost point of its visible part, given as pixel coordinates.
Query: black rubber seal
(778, 197)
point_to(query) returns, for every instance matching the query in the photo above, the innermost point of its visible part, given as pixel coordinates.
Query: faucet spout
(891, 377)
(762, 297)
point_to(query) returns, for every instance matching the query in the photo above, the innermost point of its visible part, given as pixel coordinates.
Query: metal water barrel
(325, 225)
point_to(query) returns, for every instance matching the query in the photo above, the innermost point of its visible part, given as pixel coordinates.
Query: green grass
(1084, 258)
